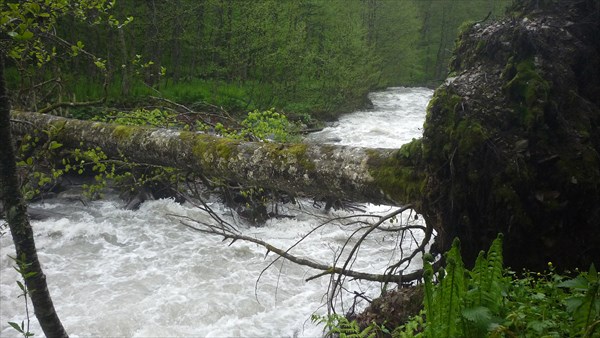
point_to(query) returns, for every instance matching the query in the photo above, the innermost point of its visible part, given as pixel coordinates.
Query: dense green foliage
(298, 56)
(491, 301)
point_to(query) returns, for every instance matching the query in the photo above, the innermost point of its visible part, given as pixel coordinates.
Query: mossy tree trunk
(22, 234)
(323, 171)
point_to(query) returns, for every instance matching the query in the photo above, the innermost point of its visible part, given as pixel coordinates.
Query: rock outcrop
(512, 139)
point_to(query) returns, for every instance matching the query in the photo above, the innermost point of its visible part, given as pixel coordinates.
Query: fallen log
(381, 176)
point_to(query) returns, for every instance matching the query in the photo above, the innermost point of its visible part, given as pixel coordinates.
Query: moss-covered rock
(512, 142)
(399, 174)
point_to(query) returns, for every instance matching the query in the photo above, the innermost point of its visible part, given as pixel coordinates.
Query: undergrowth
(43, 161)
(492, 301)
(267, 125)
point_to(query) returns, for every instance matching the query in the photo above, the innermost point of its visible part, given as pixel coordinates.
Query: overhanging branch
(228, 234)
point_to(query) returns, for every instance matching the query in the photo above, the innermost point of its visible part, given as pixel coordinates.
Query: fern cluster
(341, 327)
(491, 301)
(487, 302)
(465, 303)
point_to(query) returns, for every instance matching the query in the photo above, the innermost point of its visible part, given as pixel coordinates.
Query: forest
(509, 158)
(305, 58)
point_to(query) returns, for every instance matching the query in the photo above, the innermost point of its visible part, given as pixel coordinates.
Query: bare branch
(225, 114)
(71, 105)
(326, 269)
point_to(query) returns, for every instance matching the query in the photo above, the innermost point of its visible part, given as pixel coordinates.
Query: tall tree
(18, 221)
(440, 21)
(395, 40)
(28, 38)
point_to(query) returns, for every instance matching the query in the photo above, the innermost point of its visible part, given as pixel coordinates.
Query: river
(122, 273)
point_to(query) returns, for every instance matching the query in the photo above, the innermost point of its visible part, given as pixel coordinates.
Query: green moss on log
(399, 175)
(122, 132)
(440, 122)
(212, 151)
(295, 154)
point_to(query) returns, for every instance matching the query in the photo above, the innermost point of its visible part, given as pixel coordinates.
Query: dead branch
(399, 278)
(70, 105)
(224, 113)
(228, 234)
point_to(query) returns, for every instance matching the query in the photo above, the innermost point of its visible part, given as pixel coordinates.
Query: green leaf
(34, 8)
(578, 283)
(54, 145)
(539, 326)
(593, 274)
(26, 35)
(29, 274)
(15, 326)
(573, 303)
(477, 314)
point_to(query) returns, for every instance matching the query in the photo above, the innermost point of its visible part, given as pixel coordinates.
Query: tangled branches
(359, 228)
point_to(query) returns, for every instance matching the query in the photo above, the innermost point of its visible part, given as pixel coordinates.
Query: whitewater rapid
(122, 273)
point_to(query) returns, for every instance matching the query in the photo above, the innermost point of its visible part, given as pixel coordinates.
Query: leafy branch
(23, 269)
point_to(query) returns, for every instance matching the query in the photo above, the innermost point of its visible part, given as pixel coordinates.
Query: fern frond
(475, 294)
(452, 290)
(588, 311)
(486, 283)
(428, 299)
(494, 277)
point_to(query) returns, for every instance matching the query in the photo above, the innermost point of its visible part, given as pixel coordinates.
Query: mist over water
(122, 273)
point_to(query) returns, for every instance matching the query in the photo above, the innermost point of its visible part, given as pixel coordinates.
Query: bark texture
(357, 174)
(16, 216)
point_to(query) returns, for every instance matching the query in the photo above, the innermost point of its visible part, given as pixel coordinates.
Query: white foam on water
(121, 273)
(397, 118)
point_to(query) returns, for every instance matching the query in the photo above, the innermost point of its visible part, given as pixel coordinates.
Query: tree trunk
(357, 174)
(16, 216)
(127, 73)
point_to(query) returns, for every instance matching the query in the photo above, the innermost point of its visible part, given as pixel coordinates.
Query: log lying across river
(357, 174)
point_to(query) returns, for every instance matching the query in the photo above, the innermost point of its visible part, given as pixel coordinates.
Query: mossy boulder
(511, 143)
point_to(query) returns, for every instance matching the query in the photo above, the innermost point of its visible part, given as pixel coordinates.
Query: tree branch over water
(399, 277)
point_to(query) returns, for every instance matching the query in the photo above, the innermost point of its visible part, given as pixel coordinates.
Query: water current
(122, 273)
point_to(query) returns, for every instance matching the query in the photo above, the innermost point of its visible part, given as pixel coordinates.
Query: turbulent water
(115, 272)
(396, 119)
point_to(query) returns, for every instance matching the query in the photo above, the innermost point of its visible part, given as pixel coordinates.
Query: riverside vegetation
(492, 301)
(563, 304)
(313, 57)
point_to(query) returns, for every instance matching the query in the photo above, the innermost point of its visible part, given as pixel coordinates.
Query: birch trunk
(359, 174)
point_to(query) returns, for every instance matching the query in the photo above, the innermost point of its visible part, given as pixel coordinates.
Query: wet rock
(512, 141)
(394, 308)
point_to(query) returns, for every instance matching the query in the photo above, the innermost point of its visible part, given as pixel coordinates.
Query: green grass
(319, 99)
